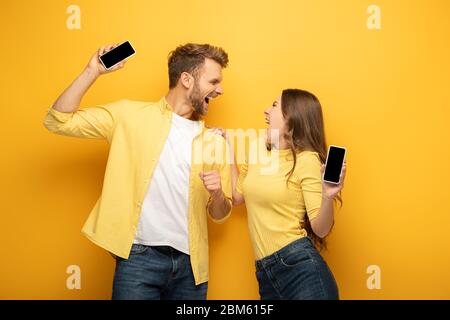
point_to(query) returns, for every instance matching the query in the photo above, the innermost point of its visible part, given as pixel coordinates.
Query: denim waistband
(301, 244)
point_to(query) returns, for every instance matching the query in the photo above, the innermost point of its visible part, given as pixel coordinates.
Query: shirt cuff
(222, 220)
(60, 116)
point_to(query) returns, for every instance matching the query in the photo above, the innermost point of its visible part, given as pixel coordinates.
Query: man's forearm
(70, 99)
(219, 206)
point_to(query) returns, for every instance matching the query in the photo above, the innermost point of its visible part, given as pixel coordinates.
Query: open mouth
(208, 98)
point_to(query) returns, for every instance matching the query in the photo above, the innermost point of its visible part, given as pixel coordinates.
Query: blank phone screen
(334, 165)
(117, 54)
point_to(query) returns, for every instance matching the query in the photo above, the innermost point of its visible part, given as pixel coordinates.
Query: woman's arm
(323, 222)
(238, 198)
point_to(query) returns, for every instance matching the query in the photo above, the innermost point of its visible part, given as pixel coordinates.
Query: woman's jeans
(296, 272)
(156, 272)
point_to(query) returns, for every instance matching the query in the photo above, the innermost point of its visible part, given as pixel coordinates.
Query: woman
(290, 211)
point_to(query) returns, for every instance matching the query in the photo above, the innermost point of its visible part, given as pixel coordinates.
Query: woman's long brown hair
(305, 132)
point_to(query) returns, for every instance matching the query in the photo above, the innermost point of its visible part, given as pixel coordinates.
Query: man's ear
(187, 81)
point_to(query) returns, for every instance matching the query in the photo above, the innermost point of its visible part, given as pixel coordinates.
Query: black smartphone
(116, 55)
(333, 165)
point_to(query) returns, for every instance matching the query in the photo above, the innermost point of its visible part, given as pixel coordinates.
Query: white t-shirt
(164, 215)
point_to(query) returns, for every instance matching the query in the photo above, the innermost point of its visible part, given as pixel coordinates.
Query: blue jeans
(296, 272)
(156, 272)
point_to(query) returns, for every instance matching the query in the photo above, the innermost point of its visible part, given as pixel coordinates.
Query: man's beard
(197, 102)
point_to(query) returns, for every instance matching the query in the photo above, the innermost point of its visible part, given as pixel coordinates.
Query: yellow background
(384, 93)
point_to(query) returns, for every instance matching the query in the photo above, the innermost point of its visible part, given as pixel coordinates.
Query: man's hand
(70, 99)
(219, 206)
(212, 182)
(95, 66)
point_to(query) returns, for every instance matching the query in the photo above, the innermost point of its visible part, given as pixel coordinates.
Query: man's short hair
(190, 57)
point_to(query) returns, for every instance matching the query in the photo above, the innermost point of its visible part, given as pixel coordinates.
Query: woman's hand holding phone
(331, 190)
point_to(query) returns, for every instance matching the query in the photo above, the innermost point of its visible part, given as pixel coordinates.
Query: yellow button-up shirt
(136, 132)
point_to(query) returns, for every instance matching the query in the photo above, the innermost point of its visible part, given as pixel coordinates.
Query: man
(158, 187)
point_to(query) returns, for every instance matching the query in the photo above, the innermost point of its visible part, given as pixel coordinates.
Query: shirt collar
(165, 106)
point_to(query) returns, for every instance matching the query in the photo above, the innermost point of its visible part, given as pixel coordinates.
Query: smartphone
(333, 165)
(116, 55)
